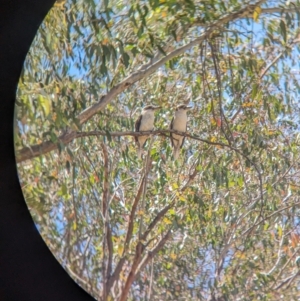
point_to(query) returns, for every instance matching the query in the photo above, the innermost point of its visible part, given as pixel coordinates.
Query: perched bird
(178, 123)
(144, 123)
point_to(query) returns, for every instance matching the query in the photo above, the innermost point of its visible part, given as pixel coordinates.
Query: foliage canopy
(222, 222)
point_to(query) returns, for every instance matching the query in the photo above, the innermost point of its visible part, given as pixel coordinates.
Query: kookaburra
(144, 123)
(178, 123)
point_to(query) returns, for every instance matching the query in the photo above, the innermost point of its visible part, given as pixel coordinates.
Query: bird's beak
(158, 107)
(189, 107)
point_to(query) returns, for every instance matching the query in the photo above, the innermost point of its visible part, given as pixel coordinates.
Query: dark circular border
(28, 270)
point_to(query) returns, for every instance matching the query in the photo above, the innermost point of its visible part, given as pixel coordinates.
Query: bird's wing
(183, 138)
(171, 128)
(137, 126)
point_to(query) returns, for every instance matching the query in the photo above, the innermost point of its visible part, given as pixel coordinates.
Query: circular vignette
(86, 192)
(28, 269)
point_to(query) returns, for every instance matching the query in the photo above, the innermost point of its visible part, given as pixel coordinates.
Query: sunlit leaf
(45, 103)
(256, 13)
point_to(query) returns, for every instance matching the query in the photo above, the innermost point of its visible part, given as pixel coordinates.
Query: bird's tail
(139, 152)
(176, 152)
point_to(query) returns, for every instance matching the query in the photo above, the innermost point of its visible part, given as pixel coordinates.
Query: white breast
(147, 122)
(180, 120)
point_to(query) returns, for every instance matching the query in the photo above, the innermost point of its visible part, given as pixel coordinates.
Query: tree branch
(158, 217)
(288, 281)
(33, 151)
(138, 264)
(272, 10)
(79, 279)
(133, 209)
(153, 252)
(131, 276)
(121, 262)
(283, 269)
(107, 231)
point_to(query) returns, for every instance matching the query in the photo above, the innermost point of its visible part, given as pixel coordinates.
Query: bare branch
(131, 276)
(279, 255)
(133, 210)
(138, 264)
(288, 281)
(79, 279)
(264, 71)
(107, 231)
(151, 281)
(154, 251)
(142, 205)
(219, 86)
(272, 10)
(283, 269)
(158, 217)
(121, 262)
(105, 179)
(30, 152)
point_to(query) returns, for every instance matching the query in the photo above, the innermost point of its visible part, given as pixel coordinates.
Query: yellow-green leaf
(167, 221)
(174, 186)
(120, 250)
(279, 231)
(45, 103)
(182, 198)
(256, 13)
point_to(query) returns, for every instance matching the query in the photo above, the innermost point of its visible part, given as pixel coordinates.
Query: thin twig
(219, 86)
(288, 281)
(73, 202)
(142, 206)
(268, 217)
(92, 188)
(264, 72)
(283, 269)
(151, 281)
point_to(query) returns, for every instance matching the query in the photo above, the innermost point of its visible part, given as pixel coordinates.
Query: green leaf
(161, 50)
(254, 90)
(64, 189)
(283, 30)
(45, 103)
(126, 59)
